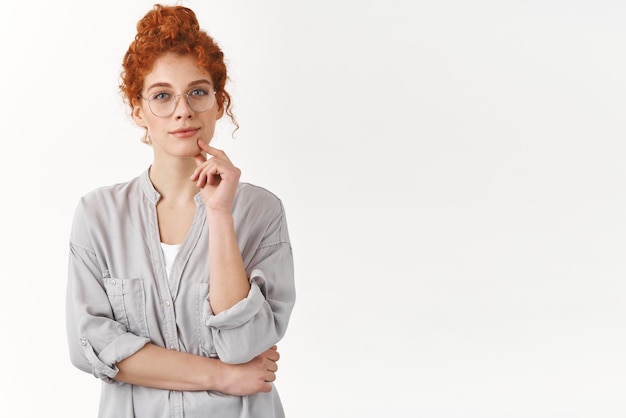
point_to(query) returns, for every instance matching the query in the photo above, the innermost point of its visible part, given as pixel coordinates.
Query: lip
(185, 132)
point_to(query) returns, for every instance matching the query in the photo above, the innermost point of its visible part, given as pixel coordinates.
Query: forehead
(175, 70)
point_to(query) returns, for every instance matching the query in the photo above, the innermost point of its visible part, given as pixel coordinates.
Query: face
(176, 135)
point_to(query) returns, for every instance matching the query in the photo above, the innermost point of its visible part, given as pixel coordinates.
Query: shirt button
(113, 282)
(167, 303)
(83, 342)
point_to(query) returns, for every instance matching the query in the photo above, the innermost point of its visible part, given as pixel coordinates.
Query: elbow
(229, 359)
(79, 357)
(78, 360)
(232, 352)
(236, 356)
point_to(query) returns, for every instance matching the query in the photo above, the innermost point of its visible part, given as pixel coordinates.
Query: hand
(252, 377)
(217, 178)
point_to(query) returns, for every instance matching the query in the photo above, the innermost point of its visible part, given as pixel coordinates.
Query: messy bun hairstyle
(172, 29)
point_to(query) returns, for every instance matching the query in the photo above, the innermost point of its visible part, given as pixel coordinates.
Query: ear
(138, 115)
(220, 113)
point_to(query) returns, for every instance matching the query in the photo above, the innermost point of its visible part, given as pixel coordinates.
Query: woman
(180, 280)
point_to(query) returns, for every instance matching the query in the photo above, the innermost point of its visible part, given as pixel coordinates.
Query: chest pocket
(128, 301)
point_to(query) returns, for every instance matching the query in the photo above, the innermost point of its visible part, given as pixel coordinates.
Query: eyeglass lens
(164, 104)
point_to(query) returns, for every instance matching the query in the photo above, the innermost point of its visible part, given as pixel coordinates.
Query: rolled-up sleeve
(97, 342)
(260, 320)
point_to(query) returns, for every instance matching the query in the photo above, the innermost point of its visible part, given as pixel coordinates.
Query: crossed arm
(183, 371)
(217, 178)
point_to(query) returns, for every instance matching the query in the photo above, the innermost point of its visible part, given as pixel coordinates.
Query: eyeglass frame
(176, 96)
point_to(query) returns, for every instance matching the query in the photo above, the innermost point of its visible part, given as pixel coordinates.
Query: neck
(171, 179)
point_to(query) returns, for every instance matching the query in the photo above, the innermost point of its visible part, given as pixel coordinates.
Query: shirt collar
(154, 196)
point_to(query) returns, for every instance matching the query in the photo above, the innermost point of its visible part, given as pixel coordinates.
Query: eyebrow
(193, 83)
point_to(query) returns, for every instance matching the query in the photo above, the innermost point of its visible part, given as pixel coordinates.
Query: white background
(453, 178)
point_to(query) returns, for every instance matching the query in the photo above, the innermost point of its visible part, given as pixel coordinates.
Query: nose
(183, 109)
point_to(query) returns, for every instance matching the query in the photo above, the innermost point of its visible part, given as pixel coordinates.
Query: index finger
(215, 152)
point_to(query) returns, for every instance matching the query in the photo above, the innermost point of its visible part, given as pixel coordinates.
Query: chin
(187, 150)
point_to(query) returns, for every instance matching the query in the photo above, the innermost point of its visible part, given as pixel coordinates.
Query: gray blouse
(119, 297)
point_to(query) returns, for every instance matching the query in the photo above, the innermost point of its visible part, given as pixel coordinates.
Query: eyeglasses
(163, 104)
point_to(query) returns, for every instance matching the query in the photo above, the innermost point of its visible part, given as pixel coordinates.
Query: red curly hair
(172, 29)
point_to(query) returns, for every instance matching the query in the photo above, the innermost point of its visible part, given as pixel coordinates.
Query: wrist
(220, 216)
(216, 375)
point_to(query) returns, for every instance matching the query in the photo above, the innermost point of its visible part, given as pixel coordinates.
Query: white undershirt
(169, 253)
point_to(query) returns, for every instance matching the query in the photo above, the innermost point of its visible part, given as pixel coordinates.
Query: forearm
(229, 282)
(158, 367)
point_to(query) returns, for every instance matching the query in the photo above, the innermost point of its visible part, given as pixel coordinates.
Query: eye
(161, 97)
(199, 92)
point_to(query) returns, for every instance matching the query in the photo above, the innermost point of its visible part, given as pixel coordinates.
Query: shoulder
(110, 195)
(261, 213)
(106, 201)
(259, 197)
(101, 209)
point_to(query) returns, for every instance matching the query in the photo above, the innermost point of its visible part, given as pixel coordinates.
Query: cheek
(154, 129)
